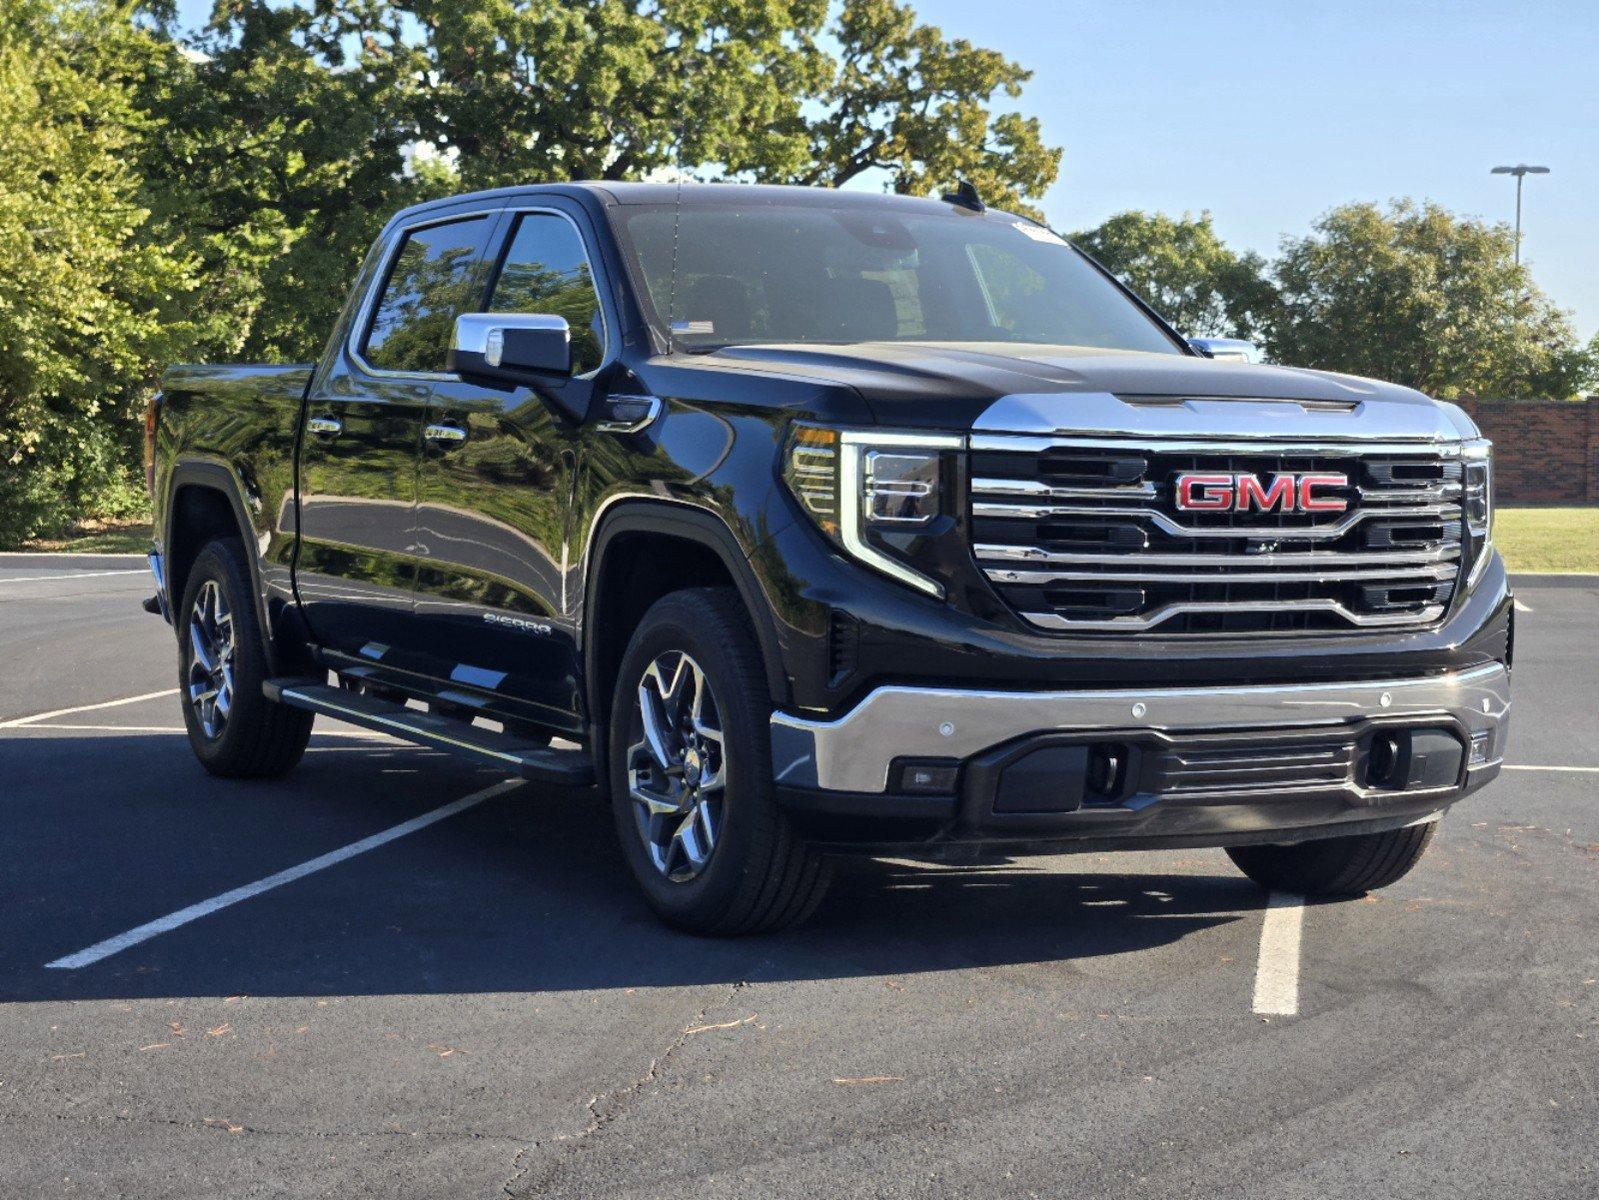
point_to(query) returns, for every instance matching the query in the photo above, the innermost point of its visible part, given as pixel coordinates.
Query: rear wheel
(235, 731)
(1345, 866)
(690, 774)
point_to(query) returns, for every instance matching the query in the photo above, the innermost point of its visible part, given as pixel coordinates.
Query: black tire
(257, 738)
(1345, 866)
(758, 875)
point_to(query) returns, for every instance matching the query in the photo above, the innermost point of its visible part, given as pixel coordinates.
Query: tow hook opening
(1407, 760)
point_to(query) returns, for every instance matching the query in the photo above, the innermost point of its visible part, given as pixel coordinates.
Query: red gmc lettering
(1310, 502)
(1279, 495)
(1217, 493)
(1243, 492)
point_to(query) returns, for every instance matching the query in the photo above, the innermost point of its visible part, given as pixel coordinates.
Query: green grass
(1548, 539)
(101, 538)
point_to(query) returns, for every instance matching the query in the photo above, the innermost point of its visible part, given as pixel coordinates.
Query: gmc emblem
(1241, 492)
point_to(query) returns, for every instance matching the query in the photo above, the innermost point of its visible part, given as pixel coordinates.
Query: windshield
(750, 273)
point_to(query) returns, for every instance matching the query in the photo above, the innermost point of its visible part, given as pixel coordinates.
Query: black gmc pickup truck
(804, 522)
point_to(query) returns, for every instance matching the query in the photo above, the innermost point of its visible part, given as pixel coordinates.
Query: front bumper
(1187, 766)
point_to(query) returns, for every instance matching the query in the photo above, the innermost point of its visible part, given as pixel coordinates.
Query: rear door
(356, 569)
(497, 585)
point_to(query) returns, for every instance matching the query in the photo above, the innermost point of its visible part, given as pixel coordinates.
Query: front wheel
(234, 730)
(1343, 866)
(690, 774)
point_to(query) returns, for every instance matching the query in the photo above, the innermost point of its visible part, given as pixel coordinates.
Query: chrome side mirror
(1226, 349)
(511, 347)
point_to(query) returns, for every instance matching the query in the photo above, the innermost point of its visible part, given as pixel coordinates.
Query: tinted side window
(427, 288)
(546, 270)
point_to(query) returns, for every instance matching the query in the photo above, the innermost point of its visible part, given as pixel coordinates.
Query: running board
(528, 759)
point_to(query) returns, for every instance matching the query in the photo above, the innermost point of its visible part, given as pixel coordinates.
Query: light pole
(1520, 171)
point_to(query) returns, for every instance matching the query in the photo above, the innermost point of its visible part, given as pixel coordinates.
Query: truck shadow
(524, 893)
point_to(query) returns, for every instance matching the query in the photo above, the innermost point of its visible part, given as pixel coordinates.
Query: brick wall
(1545, 451)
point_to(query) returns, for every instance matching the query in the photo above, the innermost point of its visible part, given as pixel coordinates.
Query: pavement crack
(226, 1126)
(607, 1107)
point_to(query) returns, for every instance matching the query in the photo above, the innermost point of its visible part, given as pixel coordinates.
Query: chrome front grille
(1086, 536)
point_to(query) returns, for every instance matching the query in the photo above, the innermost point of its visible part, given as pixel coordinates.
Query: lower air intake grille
(1196, 768)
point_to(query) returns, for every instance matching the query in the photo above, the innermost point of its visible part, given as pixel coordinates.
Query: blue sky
(1268, 114)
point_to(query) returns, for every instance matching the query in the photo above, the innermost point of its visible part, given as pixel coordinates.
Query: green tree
(275, 167)
(90, 304)
(1422, 297)
(901, 99)
(1186, 273)
(283, 135)
(613, 89)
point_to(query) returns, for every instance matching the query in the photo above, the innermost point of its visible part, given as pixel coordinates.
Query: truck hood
(1066, 389)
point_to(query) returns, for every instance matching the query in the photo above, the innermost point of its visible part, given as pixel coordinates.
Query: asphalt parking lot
(479, 1006)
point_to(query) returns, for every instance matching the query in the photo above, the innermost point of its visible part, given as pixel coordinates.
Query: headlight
(1477, 500)
(1478, 456)
(881, 496)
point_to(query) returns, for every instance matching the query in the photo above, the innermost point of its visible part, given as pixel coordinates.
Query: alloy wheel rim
(677, 769)
(211, 646)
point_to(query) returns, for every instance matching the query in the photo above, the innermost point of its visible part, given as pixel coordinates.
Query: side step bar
(530, 760)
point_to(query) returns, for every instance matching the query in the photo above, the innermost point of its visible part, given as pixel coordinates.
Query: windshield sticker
(1039, 234)
(693, 327)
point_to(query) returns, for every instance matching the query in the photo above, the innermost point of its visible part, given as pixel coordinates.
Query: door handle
(325, 426)
(445, 435)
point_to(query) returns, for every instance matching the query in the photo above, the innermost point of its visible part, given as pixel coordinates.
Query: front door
(497, 588)
(355, 573)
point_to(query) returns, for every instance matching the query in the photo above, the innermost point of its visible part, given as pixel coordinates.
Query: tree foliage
(1410, 293)
(281, 146)
(1185, 271)
(89, 303)
(901, 98)
(1422, 297)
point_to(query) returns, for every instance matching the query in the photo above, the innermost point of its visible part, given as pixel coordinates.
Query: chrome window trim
(356, 338)
(607, 344)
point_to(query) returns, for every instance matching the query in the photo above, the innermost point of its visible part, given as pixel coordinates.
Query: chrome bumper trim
(852, 753)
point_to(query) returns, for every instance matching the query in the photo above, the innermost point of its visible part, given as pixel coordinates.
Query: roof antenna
(677, 222)
(965, 196)
(671, 295)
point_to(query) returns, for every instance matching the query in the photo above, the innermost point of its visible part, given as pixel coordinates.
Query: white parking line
(67, 712)
(1520, 607)
(205, 908)
(1525, 767)
(1277, 972)
(71, 575)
